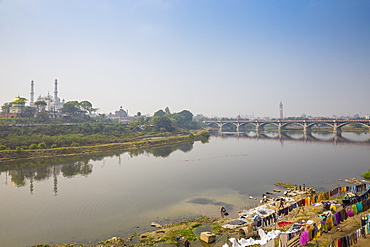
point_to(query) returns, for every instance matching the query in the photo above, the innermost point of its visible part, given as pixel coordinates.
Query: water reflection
(322, 136)
(21, 174)
(164, 151)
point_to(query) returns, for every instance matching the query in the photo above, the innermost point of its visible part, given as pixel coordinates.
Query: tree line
(92, 132)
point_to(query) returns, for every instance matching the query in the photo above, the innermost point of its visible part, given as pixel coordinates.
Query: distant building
(121, 116)
(17, 106)
(281, 110)
(8, 115)
(53, 103)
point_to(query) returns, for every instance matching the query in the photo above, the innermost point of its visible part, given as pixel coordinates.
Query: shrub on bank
(366, 174)
(205, 134)
(33, 146)
(41, 145)
(75, 144)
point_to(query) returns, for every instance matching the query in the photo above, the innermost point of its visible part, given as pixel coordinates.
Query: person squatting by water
(223, 212)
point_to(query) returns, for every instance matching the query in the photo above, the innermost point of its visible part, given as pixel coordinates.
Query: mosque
(53, 103)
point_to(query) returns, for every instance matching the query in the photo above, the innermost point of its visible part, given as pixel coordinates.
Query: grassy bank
(136, 143)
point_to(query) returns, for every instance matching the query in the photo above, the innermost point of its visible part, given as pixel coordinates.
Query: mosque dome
(18, 100)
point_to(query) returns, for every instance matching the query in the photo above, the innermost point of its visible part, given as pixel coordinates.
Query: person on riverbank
(281, 205)
(223, 212)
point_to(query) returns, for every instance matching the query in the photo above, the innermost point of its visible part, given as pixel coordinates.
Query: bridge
(281, 124)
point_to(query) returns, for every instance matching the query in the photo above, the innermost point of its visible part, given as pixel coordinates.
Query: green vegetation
(83, 132)
(38, 135)
(284, 185)
(180, 231)
(366, 174)
(161, 147)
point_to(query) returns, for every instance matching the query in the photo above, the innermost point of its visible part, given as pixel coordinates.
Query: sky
(212, 57)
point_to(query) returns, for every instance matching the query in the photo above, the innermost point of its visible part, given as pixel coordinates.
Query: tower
(56, 91)
(281, 110)
(32, 95)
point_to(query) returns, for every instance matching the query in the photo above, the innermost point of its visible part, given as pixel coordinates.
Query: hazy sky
(215, 57)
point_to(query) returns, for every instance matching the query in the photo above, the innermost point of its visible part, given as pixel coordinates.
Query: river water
(93, 198)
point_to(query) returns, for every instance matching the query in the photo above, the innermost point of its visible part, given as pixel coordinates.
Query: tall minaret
(281, 110)
(32, 95)
(56, 94)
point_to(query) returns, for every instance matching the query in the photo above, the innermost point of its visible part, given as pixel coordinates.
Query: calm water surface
(90, 199)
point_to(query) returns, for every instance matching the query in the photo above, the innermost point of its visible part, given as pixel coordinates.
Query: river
(93, 198)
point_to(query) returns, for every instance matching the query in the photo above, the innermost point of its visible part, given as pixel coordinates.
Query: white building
(53, 103)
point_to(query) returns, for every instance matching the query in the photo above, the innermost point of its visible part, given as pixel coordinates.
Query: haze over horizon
(218, 58)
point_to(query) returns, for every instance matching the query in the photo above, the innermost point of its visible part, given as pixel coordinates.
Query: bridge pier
(220, 125)
(307, 135)
(337, 129)
(237, 124)
(307, 131)
(259, 127)
(281, 127)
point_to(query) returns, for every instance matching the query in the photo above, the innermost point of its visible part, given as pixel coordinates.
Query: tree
(187, 115)
(29, 112)
(159, 113)
(40, 105)
(42, 115)
(71, 108)
(6, 107)
(185, 119)
(87, 106)
(162, 122)
(138, 114)
(167, 110)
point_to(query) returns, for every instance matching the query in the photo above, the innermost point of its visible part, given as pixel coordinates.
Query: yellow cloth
(329, 223)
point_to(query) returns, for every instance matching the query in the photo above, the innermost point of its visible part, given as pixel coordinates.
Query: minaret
(56, 101)
(281, 110)
(32, 94)
(56, 91)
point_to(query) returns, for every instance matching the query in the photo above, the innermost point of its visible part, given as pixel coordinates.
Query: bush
(205, 134)
(75, 144)
(54, 145)
(18, 149)
(41, 145)
(33, 146)
(366, 174)
(2, 147)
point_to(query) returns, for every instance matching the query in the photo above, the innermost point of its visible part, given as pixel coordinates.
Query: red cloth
(284, 223)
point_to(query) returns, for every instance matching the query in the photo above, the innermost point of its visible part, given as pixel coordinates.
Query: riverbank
(9, 156)
(224, 229)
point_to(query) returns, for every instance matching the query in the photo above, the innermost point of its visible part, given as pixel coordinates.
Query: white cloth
(267, 240)
(234, 242)
(270, 243)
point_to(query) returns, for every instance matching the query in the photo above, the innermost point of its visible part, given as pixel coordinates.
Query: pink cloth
(303, 239)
